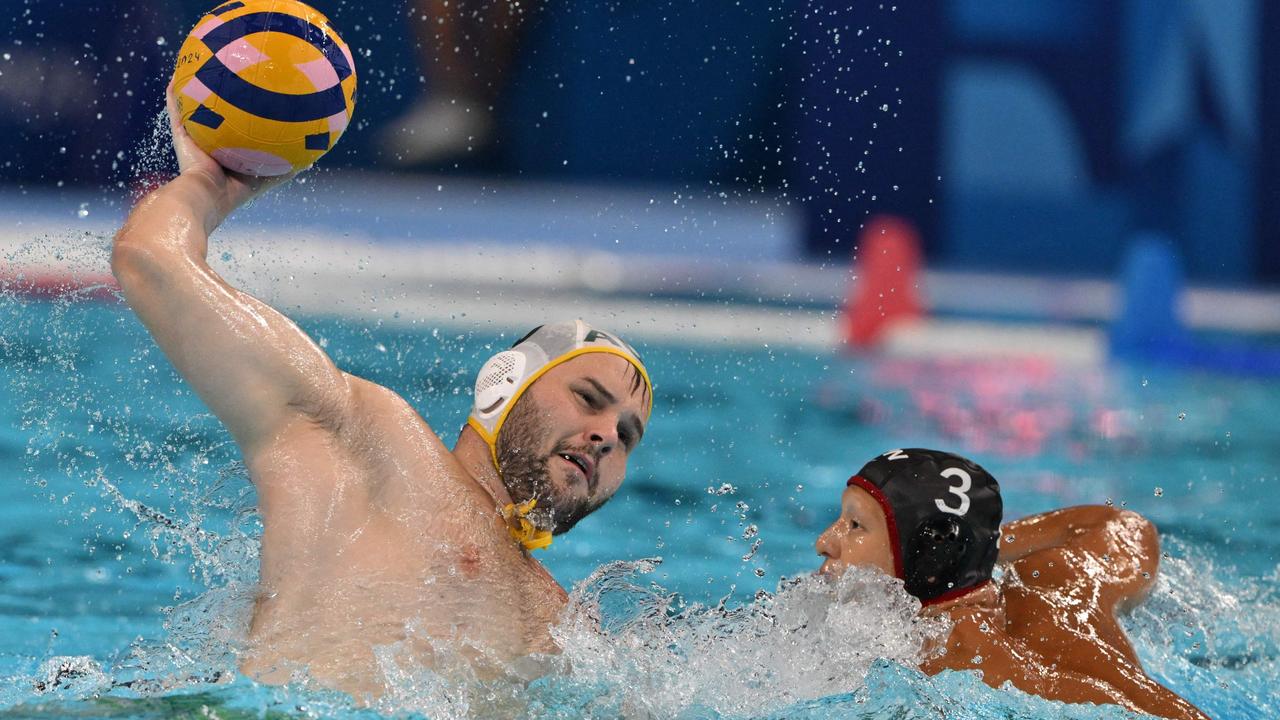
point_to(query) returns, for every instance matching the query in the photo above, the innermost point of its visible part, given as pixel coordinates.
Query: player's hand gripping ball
(265, 86)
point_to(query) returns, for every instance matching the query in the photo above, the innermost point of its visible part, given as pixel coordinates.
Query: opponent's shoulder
(978, 641)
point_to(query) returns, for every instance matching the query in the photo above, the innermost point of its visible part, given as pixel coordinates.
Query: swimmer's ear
(935, 555)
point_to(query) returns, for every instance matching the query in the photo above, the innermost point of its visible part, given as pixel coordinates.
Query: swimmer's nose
(603, 441)
(826, 544)
(826, 547)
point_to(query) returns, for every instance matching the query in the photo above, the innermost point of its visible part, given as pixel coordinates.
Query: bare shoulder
(377, 420)
(402, 453)
(1000, 657)
(355, 452)
(978, 642)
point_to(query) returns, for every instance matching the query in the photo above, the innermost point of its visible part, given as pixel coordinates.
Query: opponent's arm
(971, 647)
(252, 366)
(1123, 547)
(1099, 557)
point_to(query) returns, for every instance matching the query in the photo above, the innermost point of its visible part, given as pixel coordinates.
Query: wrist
(198, 195)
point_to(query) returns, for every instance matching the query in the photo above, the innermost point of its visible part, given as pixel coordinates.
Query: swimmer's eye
(628, 440)
(592, 401)
(853, 524)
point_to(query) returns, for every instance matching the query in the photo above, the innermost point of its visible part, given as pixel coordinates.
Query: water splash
(661, 657)
(1212, 633)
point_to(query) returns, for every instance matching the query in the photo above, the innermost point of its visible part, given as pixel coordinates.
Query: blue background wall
(1019, 136)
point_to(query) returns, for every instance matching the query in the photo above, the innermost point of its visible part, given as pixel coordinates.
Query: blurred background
(1014, 136)
(1075, 203)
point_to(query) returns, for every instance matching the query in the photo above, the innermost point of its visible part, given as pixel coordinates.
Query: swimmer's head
(561, 412)
(929, 518)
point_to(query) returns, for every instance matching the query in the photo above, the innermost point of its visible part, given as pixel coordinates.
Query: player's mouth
(581, 463)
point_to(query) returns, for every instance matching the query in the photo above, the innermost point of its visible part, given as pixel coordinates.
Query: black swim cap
(943, 513)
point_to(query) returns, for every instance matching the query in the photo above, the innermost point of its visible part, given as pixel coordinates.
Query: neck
(472, 451)
(982, 599)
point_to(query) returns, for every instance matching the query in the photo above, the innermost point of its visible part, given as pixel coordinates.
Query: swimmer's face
(860, 536)
(569, 436)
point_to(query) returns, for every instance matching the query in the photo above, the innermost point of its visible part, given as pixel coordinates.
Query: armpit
(329, 406)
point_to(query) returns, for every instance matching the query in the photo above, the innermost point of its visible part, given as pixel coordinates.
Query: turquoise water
(127, 550)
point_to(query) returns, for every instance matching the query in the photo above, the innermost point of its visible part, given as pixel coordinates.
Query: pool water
(128, 551)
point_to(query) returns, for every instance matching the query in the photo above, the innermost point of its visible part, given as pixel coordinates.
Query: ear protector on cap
(497, 382)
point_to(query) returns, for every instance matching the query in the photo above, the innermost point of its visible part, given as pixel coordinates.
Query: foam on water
(1210, 628)
(662, 657)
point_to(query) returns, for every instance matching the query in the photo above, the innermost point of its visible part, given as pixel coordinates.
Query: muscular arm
(255, 369)
(1122, 546)
(252, 366)
(1073, 569)
(972, 646)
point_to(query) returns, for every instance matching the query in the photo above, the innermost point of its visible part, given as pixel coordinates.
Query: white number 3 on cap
(965, 483)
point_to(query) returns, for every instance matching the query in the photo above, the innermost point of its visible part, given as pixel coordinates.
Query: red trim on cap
(896, 541)
(953, 594)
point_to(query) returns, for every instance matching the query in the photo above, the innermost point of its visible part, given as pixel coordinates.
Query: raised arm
(1090, 561)
(254, 368)
(1122, 548)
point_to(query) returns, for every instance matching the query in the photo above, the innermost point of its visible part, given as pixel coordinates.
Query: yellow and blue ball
(265, 86)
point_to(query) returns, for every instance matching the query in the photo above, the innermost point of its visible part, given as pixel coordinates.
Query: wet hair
(943, 513)
(637, 383)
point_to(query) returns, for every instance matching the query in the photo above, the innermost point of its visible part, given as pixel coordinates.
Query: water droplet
(1182, 416)
(1159, 492)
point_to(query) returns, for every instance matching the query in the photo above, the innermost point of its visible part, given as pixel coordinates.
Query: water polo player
(375, 534)
(932, 520)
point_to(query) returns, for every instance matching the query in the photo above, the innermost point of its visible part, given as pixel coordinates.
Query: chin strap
(522, 530)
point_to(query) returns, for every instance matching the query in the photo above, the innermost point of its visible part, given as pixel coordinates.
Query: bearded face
(526, 448)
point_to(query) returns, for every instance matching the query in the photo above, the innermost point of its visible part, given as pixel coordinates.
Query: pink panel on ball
(203, 28)
(196, 90)
(239, 55)
(320, 72)
(252, 162)
(338, 123)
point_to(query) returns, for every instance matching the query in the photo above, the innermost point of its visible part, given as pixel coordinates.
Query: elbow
(1134, 538)
(1135, 529)
(130, 260)
(156, 239)
(138, 259)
